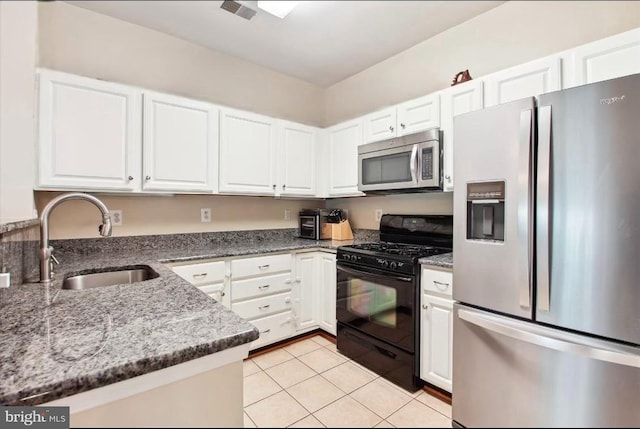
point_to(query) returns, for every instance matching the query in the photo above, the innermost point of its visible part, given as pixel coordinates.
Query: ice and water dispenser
(485, 211)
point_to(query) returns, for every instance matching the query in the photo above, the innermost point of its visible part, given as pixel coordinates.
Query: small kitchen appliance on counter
(378, 295)
(314, 224)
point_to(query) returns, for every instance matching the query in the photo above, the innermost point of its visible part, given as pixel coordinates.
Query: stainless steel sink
(112, 276)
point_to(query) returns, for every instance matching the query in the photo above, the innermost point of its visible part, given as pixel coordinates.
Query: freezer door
(495, 145)
(511, 373)
(588, 209)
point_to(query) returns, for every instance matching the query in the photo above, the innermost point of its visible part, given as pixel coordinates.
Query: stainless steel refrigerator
(546, 273)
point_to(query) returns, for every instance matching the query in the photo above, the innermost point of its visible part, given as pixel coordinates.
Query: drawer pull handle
(199, 276)
(266, 331)
(441, 285)
(264, 287)
(263, 267)
(264, 307)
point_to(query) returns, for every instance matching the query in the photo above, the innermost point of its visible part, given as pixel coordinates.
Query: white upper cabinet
(405, 118)
(89, 133)
(526, 80)
(344, 140)
(418, 114)
(180, 146)
(458, 99)
(247, 153)
(297, 157)
(608, 58)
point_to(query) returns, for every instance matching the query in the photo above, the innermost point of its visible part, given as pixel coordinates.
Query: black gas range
(378, 294)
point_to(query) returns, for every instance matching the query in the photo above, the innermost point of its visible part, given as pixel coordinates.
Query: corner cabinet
(89, 133)
(343, 140)
(458, 99)
(180, 145)
(436, 327)
(247, 153)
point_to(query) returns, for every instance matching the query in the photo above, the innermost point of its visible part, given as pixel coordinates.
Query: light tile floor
(309, 384)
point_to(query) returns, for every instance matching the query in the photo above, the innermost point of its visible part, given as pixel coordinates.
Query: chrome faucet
(46, 251)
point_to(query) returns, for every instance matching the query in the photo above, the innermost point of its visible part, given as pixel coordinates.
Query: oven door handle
(381, 276)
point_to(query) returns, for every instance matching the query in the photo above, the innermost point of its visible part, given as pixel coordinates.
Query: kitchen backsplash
(193, 240)
(19, 243)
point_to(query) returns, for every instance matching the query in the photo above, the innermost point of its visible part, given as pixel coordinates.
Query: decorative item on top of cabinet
(460, 77)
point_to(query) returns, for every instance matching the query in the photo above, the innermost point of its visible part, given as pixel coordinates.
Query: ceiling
(321, 42)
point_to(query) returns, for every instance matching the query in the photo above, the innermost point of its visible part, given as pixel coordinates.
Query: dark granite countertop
(444, 260)
(55, 342)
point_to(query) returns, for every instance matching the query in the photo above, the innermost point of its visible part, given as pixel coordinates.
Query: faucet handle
(54, 259)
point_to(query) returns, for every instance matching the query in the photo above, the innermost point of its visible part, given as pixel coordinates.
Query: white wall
(146, 215)
(510, 34)
(81, 41)
(18, 34)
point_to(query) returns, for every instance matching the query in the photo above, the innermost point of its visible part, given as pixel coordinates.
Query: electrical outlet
(205, 215)
(378, 213)
(287, 214)
(116, 217)
(5, 280)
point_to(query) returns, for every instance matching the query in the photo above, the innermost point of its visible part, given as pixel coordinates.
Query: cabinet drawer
(263, 306)
(437, 281)
(199, 274)
(260, 265)
(260, 286)
(273, 328)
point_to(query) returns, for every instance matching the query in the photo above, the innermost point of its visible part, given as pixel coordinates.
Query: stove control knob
(385, 264)
(393, 265)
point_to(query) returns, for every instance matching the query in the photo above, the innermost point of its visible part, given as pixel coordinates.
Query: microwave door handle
(413, 163)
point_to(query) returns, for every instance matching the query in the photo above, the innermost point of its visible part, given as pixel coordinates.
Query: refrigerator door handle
(494, 324)
(524, 209)
(543, 208)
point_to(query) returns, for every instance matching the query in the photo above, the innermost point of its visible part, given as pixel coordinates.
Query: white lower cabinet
(436, 324)
(327, 292)
(210, 277)
(280, 294)
(264, 289)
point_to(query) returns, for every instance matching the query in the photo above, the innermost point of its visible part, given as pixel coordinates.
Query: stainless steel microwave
(410, 163)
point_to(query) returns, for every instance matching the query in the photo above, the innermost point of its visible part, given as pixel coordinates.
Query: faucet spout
(46, 251)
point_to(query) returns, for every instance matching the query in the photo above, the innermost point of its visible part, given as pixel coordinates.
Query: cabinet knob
(274, 187)
(403, 126)
(391, 128)
(130, 178)
(147, 178)
(283, 187)
(425, 306)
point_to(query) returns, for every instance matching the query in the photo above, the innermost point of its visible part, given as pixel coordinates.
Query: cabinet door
(247, 153)
(436, 339)
(180, 146)
(456, 100)
(327, 292)
(297, 159)
(419, 114)
(304, 300)
(218, 291)
(89, 133)
(344, 140)
(380, 125)
(526, 80)
(608, 58)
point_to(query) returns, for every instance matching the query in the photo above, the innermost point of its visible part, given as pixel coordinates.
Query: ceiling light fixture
(277, 8)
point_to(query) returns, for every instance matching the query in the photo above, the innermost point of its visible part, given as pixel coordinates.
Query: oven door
(378, 303)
